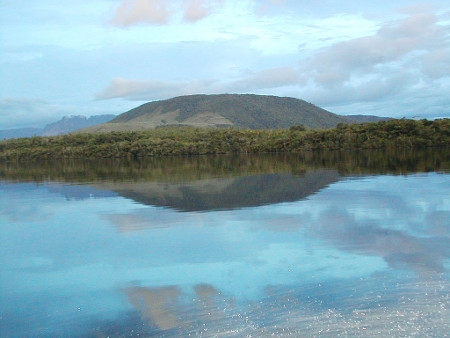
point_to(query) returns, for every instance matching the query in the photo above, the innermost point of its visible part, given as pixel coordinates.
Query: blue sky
(107, 56)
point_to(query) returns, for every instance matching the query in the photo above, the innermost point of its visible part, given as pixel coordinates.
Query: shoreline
(186, 141)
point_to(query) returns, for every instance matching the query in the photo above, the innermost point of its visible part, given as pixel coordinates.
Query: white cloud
(338, 63)
(142, 11)
(404, 60)
(370, 90)
(195, 10)
(436, 64)
(156, 89)
(150, 90)
(160, 12)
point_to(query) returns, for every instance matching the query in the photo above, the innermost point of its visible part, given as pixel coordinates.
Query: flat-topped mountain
(246, 111)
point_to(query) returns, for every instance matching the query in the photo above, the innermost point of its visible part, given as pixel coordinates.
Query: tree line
(169, 141)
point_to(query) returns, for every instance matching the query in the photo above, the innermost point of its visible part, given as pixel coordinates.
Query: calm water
(330, 244)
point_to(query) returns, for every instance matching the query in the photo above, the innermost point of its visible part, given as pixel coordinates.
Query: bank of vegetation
(171, 141)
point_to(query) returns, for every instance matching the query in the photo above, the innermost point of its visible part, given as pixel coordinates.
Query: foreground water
(330, 244)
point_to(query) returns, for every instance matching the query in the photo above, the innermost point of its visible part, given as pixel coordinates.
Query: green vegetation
(196, 141)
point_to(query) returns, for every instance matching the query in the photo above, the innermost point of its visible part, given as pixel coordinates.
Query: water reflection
(183, 169)
(219, 182)
(328, 244)
(406, 309)
(154, 304)
(399, 249)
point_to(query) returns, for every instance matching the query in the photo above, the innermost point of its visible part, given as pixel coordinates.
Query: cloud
(33, 112)
(131, 12)
(150, 90)
(155, 89)
(338, 63)
(436, 63)
(376, 88)
(403, 60)
(195, 10)
(159, 12)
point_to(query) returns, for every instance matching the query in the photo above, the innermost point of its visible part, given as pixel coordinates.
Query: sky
(92, 57)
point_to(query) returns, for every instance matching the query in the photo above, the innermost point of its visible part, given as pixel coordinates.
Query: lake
(314, 244)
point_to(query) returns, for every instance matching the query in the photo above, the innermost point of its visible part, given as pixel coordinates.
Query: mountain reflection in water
(220, 182)
(313, 244)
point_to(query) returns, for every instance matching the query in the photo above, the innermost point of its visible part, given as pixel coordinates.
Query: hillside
(246, 111)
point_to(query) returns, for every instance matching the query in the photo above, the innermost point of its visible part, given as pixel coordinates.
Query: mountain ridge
(66, 125)
(246, 111)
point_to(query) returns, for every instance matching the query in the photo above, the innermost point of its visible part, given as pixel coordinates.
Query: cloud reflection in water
(356, 246)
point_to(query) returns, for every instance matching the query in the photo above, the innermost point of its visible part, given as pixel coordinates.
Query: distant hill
(20, 132)
(66, 125)
(71, 123)
(246, 111)
(366, 118)
(225, 110)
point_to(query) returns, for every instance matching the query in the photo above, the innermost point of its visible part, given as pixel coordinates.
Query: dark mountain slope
(236, 110)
